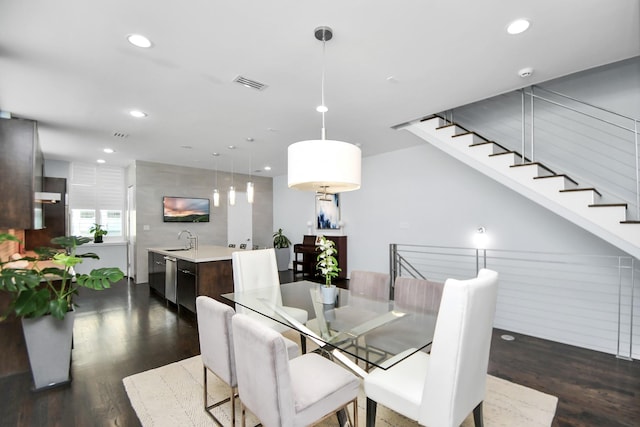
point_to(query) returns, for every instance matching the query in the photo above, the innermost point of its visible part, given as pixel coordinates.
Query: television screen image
(185, 209)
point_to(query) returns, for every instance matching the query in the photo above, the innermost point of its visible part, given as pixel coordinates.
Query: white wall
(422, 196)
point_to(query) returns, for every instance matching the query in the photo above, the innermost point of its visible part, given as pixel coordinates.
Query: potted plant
(98, 232)
(328, 267)
(42, 289)
(281, 244)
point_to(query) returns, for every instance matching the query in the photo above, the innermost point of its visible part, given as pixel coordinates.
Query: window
(96, 195)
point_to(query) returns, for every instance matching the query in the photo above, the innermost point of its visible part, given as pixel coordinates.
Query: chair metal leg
(208, 408)
(233, 407)
(371, 412)
(477, 415)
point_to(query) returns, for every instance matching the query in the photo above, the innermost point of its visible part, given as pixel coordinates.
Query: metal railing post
(393, 263)
(635, 129)
(524, 118)
(532, 129)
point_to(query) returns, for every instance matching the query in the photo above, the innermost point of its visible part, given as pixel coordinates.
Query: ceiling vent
(121, 135)
(250, 83)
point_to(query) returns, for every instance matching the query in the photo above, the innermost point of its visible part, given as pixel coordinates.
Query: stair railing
(535, 96)
(580, 299)
(529, 120)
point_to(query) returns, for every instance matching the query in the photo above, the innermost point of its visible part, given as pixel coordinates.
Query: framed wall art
(327, 211)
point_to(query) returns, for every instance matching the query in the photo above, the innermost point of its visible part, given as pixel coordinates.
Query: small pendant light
(216, 193)
(232, 189)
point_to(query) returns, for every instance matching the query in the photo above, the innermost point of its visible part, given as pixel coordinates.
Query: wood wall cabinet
(21, 173)
(55, 216)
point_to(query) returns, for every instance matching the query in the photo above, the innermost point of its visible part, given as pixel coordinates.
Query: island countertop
(204, 253)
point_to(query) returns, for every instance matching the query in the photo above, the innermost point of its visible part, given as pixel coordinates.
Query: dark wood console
(305, 255)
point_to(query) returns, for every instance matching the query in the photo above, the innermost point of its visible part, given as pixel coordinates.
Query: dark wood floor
(124, 330)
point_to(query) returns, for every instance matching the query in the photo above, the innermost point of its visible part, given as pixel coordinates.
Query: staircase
(555, 191)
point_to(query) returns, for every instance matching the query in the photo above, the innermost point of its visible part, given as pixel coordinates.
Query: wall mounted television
(185, 209)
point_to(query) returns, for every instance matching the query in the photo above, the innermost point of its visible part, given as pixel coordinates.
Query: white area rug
(172, 396)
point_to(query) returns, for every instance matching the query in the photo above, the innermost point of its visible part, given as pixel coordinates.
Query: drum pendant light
(323, 165)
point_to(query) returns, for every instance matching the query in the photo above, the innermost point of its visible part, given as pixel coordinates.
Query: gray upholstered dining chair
(216, 348)
(417, 295)
(442, 388)
(370, 284)
(259, 270)
(420, 298)
(282, 392)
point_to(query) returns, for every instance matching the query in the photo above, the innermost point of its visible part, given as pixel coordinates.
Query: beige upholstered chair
(443, 388)
(216, 348)
(282, 392)
(370, 284)
(259, 270)
(417, 295)
(421, 299)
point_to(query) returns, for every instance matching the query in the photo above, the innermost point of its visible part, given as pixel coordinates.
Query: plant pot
(328, 294)
(97, 239)
(282, 258)
(49, 347)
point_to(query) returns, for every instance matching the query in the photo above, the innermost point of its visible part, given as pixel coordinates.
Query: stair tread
(470, 133)
(608, 205)
(533, 164)
(452, 124)
(557, 176)
(581, 189)
(506, 152)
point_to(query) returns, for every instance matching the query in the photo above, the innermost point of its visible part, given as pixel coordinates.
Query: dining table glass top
(378, 332)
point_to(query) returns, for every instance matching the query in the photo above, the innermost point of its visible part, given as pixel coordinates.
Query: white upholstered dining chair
(282, 392)
(442, 388)
(216, 349)
(259, 270)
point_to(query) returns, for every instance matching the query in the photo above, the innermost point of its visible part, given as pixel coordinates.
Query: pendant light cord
(324, 107)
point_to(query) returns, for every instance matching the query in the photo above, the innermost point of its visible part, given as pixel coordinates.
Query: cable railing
(585, 300)
(597, 146)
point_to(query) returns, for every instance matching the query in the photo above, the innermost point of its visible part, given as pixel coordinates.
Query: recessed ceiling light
(186, 147)
(101, 161)
(108, 150)
(231, 147)
(267, 168)
(249, 139)
(139, 40)
(215, 154)
(137, 114)
(518, 26)
(322, 109)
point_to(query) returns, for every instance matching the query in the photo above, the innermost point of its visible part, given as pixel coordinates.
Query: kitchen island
(180, 275)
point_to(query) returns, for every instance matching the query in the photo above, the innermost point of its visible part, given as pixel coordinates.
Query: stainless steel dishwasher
(170, 281)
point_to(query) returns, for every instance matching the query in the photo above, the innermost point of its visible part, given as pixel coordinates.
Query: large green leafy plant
(280, 240)
(37, 291)
(327, 262)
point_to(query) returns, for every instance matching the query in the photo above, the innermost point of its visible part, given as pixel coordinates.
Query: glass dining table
(380, 333)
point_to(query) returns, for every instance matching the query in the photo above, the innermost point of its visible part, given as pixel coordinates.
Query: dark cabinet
(157, 272)
(55, 216)
(187, 284)
(21, 172)
(305, 255)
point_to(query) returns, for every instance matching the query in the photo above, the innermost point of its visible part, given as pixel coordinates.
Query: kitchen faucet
(193, 239)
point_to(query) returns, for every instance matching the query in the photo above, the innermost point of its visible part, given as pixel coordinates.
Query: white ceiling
(68, 65)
